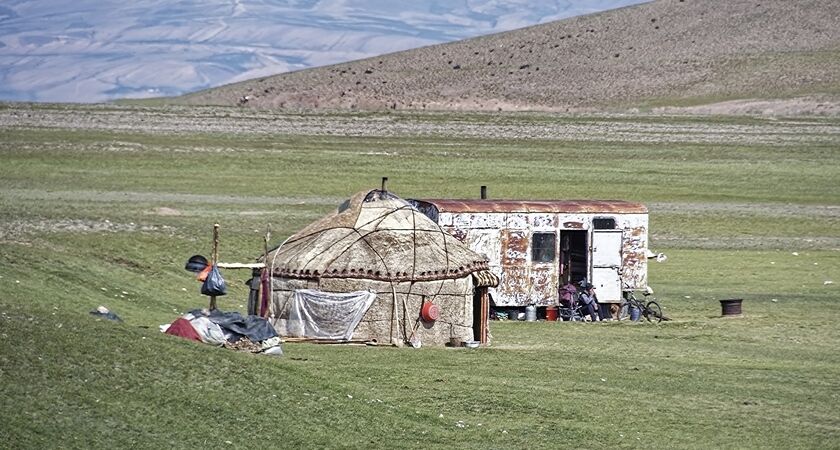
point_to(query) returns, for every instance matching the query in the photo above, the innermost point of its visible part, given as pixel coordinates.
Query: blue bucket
(635, 314)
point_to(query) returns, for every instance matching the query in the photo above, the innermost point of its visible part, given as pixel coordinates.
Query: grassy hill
(102, 205)
(772, 56)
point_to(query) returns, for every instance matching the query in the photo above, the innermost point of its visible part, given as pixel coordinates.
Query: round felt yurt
(378, 270)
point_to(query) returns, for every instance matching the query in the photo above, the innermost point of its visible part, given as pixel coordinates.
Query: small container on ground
(731, 307)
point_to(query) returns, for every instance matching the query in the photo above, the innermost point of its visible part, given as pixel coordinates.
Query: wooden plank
(215, 258)
(485, 310)
(240, 265)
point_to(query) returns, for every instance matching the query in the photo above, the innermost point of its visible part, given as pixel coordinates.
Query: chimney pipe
(384, 180)
(484, 192)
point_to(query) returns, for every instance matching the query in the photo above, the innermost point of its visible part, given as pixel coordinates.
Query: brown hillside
(663, 53)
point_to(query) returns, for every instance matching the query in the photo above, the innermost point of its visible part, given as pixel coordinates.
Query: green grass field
(743, 207)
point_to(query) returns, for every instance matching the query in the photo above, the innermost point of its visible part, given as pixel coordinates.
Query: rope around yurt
(365, 238)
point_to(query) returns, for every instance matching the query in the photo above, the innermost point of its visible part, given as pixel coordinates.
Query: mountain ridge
(663, 55)
(101, 50)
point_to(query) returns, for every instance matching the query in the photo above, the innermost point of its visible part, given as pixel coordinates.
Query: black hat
(196, 263)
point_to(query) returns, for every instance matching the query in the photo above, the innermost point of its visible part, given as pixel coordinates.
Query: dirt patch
(127, 263)
(162, 197)
(762, 209)
(18, 228)
(820, 106)
(164, 211)
(638, 128)
(659, 240)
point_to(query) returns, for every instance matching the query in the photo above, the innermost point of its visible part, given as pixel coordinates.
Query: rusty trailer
(537, 246)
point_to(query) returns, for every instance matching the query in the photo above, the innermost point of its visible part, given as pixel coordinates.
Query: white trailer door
(606, 263)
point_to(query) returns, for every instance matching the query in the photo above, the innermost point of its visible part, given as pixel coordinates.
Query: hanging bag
(214, 285)
(202, 276)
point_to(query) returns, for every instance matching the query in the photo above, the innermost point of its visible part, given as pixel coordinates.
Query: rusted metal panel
(513, 286)
(486, 243)
(543, 221)
(524, 285)
(535, 206)
(458, 233)
(487, 220)
(516, 221)
(634, 257)
(463, 220)
(514, 245)
(523, 282)
(543, 288)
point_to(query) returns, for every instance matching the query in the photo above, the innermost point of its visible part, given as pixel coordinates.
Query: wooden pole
(485, 313)
(393, 317)
(404, 317)
(265, 243)
(265, 294)
(215, 259)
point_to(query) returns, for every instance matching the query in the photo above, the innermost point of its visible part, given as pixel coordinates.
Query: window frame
(595, 223)
(544, 250)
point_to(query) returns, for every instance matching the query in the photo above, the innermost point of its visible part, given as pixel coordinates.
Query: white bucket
(530, 313)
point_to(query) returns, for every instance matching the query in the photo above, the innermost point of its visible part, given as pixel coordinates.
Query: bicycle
(651, 310)
(570, 313)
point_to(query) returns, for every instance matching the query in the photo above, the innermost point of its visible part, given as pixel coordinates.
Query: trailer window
(603, 223)
(543, 247)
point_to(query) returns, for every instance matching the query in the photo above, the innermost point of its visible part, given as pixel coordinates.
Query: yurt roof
(375, 235)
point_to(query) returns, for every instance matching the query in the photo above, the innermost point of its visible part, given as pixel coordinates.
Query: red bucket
(430, 312)
(551, 313)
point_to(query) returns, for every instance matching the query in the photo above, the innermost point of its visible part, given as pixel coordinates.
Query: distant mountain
(705, 55)
(98, 50)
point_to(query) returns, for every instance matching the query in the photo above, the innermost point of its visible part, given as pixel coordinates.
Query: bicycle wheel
(653, 312)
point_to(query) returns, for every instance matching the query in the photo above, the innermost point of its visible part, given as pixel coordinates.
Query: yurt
(378, 270)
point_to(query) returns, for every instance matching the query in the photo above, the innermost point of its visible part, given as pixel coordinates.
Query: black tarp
(235, 325)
